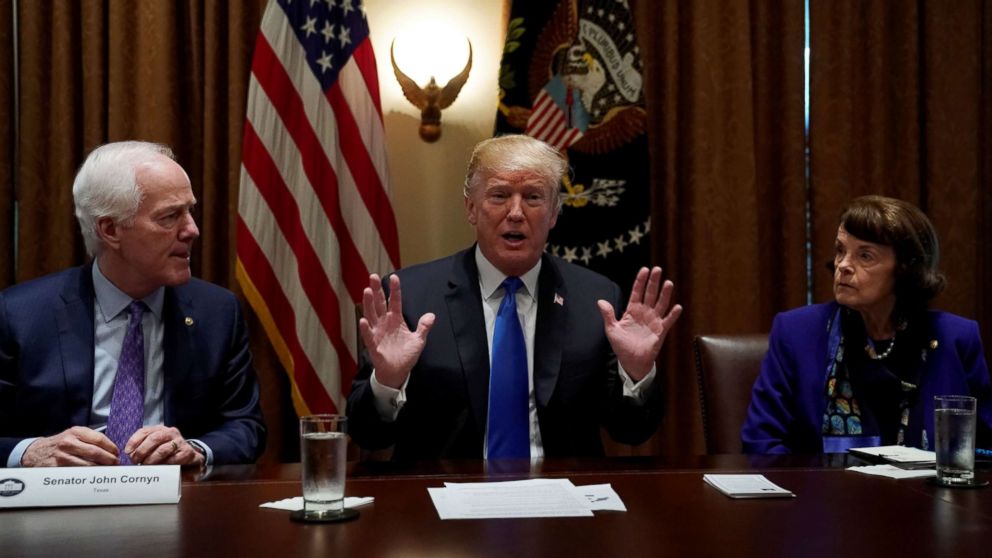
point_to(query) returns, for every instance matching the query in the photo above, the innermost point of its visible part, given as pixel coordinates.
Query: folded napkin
(294, 504)
(894, 472)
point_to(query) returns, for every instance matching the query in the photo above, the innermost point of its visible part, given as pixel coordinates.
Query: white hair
(106, 186)
(516, 152)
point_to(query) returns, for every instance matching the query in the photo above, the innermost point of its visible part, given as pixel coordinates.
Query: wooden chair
(726, 367)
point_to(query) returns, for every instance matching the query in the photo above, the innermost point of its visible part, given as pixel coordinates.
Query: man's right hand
(77, 446)
(392, 347)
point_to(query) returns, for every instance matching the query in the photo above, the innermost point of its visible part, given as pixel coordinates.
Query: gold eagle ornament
(431, 99)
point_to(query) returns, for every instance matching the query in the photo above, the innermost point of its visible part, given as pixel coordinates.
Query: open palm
(392, 346)
(637, 337)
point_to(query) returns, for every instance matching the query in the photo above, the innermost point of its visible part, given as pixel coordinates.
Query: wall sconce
(431, 98)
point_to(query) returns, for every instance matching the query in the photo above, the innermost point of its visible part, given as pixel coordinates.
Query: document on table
(525, 498)
(893, 472)
(747, 486)
(901, 455)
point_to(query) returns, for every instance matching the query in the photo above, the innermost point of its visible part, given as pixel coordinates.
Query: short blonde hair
(516, 153)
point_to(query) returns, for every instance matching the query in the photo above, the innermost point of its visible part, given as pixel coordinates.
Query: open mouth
(513, 236)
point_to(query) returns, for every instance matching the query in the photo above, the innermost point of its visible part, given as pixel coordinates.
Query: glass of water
(324, 454)
(954, 430)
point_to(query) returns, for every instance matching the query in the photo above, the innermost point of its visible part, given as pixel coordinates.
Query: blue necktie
(508, 434)
(127, 405)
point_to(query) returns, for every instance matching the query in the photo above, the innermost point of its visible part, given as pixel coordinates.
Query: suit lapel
(552, 320)
(74, 316)
(468, 326)
(179, 321)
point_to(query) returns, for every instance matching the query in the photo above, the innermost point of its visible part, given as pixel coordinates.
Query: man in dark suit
(127, 359)
(427, 386)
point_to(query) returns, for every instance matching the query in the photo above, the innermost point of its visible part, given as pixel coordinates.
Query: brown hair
(901, 225)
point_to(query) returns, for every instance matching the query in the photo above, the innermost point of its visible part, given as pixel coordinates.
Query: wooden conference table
(671, 512)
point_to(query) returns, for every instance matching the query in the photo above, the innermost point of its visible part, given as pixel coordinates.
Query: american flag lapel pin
(559, 300)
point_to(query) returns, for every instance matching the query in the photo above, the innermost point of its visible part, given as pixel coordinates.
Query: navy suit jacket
(789, 396)
(46, 364)
(576, 383)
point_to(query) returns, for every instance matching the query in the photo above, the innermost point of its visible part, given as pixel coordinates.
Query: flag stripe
(276, 305)
(306, 327)
(287, 103)
(288, 161)
(361, 165)
(549, 122)
(360, 222)
(279, 255)
(265, 175)
(364, 57)
(314, 216)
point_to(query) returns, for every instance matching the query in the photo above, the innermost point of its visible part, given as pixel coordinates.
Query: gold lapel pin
(933, 343)
(189, 321)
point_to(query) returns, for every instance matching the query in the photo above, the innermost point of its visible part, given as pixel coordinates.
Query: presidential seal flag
(314, 216)
(571, 76)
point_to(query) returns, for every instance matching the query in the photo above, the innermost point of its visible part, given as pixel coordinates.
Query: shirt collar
(113, 301)
(490, 278)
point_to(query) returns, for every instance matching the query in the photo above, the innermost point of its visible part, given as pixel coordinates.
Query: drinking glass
(954, 430)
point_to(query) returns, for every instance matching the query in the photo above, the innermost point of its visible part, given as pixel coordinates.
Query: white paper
(898, 454)
(89, 486)
(893, 472)
(295, 504)
(746, 486)
(526, 498)
(602, 497)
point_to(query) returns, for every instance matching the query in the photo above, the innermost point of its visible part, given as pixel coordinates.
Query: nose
(516, 208)
(188, 230)
(844, 265)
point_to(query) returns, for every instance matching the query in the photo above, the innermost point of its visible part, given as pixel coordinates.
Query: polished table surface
(671, 511)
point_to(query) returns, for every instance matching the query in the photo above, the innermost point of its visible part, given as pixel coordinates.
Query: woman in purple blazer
(863, 370)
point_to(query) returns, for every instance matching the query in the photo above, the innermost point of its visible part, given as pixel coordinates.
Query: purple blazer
(789, 398)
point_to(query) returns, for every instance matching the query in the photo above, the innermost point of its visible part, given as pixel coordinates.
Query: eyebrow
(175, 206)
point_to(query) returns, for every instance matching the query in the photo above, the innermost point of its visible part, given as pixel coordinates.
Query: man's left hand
(162, 445)
(638, 335)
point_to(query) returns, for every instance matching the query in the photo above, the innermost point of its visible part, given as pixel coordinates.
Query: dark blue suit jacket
(789, 396)
(46, 364)
(576, 383)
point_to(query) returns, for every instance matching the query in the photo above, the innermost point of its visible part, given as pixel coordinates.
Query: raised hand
(638, 335)
(392, 347)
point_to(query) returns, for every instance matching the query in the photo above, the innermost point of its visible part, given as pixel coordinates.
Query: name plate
(89, 486)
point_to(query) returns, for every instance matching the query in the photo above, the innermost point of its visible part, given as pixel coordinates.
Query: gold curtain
(171, 72)
(7, 137)
(724, 85)
(900, 106)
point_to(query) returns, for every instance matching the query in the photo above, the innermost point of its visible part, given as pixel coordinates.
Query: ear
(109, 232)
(471, 211)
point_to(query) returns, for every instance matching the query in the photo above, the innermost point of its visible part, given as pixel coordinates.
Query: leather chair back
(726, 367)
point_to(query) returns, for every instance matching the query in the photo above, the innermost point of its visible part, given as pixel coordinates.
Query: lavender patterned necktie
(127, 406)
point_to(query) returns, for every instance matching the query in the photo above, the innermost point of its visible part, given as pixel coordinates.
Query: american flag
(314, 217)
(557, 117)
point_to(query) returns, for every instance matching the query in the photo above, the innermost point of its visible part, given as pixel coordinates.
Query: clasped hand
(81, 446)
